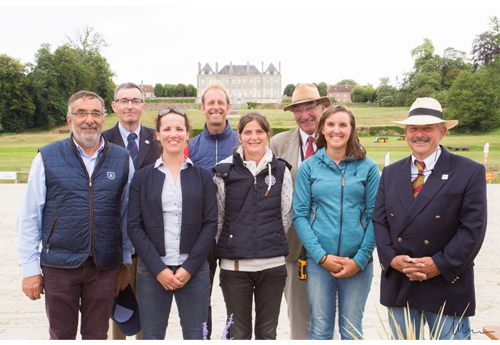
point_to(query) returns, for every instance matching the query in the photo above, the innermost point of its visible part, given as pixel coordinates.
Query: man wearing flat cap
(295, 146)
(430, 222)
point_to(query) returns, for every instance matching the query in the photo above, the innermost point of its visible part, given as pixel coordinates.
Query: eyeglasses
(176, 110)
(125, 101)
(83, 114)
(309, 109)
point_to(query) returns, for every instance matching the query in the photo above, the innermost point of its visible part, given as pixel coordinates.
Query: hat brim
(425, 120)
(325, 100)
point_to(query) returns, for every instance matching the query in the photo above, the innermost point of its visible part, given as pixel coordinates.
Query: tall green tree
(170, 90)
(86, 41)
(473, 99)
(158, 90)
(16, 107)
(385, 92)
(358, 95)
(181, 90)
(322, 88)
(191, 91)
(288, 92)
(486, 46)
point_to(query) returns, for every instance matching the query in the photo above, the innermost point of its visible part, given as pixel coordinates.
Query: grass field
(17, 151)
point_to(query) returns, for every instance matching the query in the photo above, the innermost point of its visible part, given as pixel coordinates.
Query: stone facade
(244, 83)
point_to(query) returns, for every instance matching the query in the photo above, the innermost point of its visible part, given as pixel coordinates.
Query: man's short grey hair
(85, 94)
(128, 85)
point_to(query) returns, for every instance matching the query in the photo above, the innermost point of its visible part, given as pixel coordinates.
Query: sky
(314, 40)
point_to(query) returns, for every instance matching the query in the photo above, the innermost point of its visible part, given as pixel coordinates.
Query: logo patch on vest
(272, 182)
(111, 175)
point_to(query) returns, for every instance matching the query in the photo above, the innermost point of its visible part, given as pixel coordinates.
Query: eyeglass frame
(84, 114)
(134, 101)
(175, 110)
(307, 109)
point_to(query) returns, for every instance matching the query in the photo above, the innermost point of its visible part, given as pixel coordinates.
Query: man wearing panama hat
(295, 146)
(430, 222)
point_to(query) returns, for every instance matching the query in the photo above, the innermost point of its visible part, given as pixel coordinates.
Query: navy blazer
(447, 221)
(149, 148)
(199, 217)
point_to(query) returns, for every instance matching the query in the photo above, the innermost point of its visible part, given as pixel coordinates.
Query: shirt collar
(430, 161)
(304, 136)
(187, 162)
(125, 132)
(82, 153)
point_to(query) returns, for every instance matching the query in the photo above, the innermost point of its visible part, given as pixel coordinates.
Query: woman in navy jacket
(172, 223)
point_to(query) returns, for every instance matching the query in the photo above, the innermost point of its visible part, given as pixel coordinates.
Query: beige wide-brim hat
(425, 111)
(306, 93)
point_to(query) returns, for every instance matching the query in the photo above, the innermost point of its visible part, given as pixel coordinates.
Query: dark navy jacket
(253, 224)
(82, 213)
(206, 150)
(199, 217)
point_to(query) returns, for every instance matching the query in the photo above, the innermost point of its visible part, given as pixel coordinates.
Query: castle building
(244, 83)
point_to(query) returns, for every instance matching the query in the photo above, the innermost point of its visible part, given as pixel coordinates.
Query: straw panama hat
(304, 93)
(425, 111)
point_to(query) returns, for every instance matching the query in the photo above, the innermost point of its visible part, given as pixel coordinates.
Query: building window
(202, 82)
(275, 82)
(234, 82)
(275, 92)
(258, 82)
(338, 96)
(239, 81)
(267, 82)
(267, 93)
(234, 93)
(227, 82)
(251, 93)
(251, 82)
(258, 93)
(244, 82)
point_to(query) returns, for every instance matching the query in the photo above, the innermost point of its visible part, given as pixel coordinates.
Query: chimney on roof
(231, 67)
(262, 67)
(216, 67)
(279, 68)
(199, 67)
(248, 68)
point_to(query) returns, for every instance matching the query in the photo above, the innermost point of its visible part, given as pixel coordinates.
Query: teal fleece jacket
(331, 217)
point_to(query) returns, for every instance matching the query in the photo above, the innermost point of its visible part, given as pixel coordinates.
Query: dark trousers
(84, 289)
(240, 288)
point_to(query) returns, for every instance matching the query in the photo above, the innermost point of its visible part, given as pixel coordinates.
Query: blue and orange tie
(132, 148)
(418, 182)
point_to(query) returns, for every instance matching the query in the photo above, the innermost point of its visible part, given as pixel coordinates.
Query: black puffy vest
(253, 224)
(82, 214)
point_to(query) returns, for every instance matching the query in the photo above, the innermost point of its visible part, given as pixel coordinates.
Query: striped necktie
(132, 148)
(418, 182)
(310, 148)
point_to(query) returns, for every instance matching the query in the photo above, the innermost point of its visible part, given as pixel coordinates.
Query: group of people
(160, 211)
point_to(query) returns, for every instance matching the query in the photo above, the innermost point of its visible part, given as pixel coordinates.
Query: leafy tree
(158, 90)
(370, 94)
(16, 107)
(181, 90)
(473, 99)
(385, 91)
(347, 82)
(170, 90)
(191, 91)
(288, 92)
(101, 78)
(322, 88)
(358, 95)
(50, 100)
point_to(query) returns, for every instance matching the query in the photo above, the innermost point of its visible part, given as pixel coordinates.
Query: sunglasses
(175, 110)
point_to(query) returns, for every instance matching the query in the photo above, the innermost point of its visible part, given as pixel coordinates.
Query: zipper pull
(314, 214)
(48, 248)
(90, 182)
(342, 181)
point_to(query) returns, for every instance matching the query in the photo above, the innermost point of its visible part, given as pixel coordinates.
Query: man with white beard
(76, 207)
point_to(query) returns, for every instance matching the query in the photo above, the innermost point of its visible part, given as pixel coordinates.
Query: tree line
(171, 90)
(468, 88)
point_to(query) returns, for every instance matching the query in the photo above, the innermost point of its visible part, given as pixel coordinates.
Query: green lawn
(17, 151)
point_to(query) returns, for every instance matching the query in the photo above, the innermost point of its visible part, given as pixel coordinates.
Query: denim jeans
(240, 288)
(449, 327)
(325, 291)
(155, 303)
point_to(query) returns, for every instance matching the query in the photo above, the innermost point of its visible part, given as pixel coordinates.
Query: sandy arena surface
(21, 318)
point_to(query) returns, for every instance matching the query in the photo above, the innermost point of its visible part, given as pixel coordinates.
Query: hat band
(426, 111)
(304, 99)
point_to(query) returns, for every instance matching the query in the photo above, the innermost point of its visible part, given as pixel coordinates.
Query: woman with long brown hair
(333, 202)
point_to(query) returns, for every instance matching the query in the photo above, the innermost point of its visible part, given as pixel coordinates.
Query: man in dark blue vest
(76, 207)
